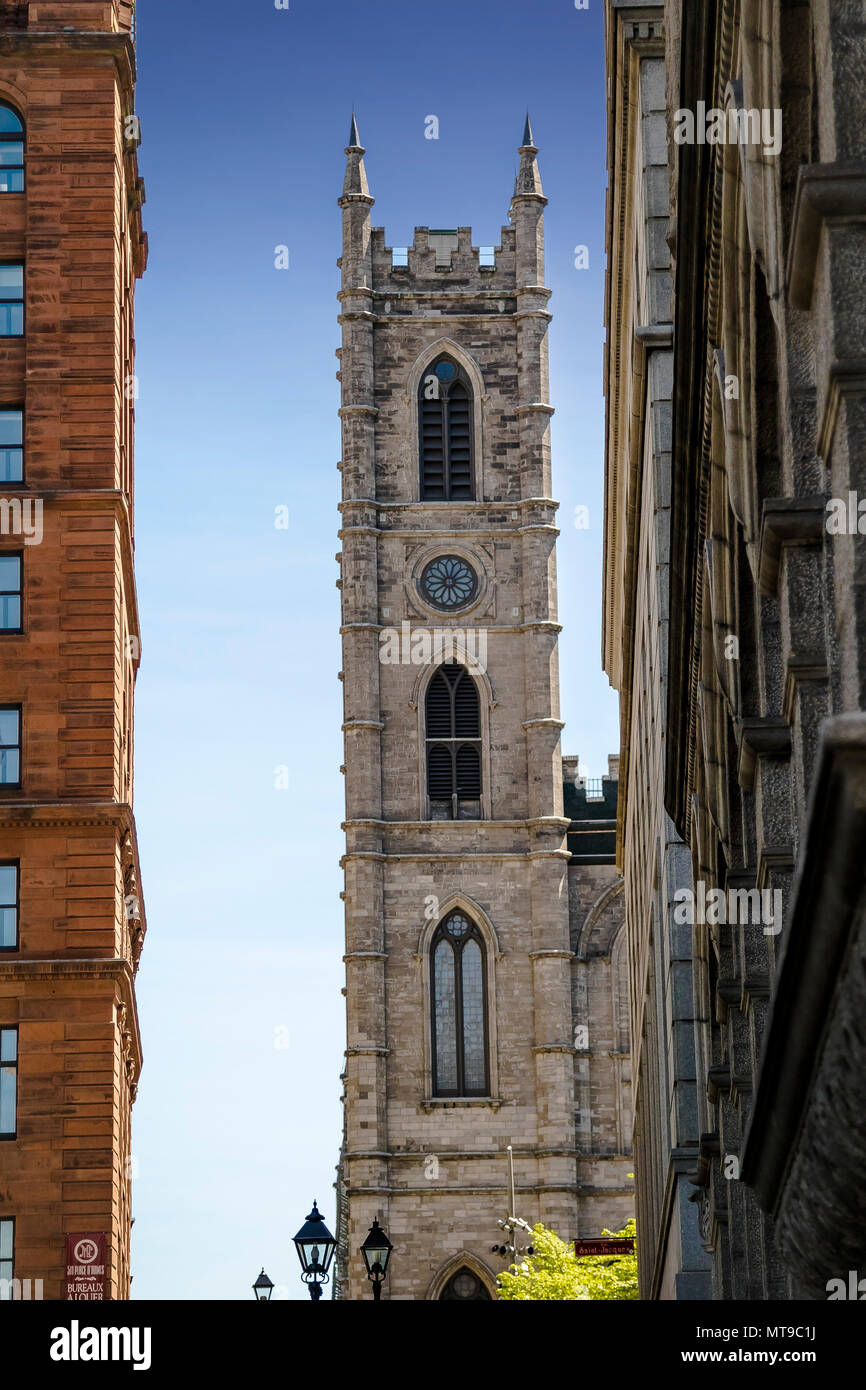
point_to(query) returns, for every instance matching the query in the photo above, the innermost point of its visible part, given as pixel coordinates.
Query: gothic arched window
(453, 745)
(465, 1287)
(445, 427)
(458, 976)
(11, 150)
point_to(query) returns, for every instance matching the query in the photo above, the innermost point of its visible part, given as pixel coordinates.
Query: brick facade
(68, 988)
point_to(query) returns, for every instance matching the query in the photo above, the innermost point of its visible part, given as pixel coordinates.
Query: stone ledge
(825, 193)
(786, 521)
(761, 736)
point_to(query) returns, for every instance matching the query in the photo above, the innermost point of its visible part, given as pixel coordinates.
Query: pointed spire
(528, 181)
(356, 175)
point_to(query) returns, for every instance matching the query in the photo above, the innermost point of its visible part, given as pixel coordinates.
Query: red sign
(86, 1267)
(625, 1246)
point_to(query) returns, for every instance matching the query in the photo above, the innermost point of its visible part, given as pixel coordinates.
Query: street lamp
(263, 1288)
(512, 1224)
(315, 1246)
(377, 1252)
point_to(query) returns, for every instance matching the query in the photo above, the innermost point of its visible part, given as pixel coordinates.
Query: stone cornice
(54, 815)
(468, 856)
(59, 43)
(23, 970)
(559, 823)
(94, 500)
(466, 508)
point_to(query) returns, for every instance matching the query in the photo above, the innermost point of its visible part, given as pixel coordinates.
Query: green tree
(554, 1272)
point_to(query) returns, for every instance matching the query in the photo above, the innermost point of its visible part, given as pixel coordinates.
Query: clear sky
(245, 113)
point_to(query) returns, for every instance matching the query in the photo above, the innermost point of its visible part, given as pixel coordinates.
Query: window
(11, 446)
(10, 745)
(8, 1082)
(445, 430)
(487, 257)
(9, 907)
(7, 1257)
(459, 1002)
(11, 301)
(10, 592)
(465, 1287)
(453, 745)
(449, 582)
(400, 256)
(11, 151)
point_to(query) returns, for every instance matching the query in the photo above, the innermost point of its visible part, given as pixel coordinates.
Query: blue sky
(245, 112)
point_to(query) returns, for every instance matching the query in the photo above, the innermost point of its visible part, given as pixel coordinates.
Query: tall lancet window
(459, 999)
(446, 430)
(453, 745)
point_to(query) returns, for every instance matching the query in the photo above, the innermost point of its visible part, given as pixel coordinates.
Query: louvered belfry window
(459, 999)
(453, 745)
(446, 433)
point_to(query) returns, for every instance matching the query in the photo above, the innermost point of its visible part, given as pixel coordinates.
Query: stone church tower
(468, 1010)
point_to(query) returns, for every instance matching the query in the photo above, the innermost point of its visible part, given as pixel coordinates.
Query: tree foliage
(554, 1272)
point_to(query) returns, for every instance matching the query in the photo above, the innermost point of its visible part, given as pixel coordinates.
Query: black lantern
(377, 1252)
(263, 1288)
(315, 1246)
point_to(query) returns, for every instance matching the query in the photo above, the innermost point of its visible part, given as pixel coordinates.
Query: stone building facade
(653, 859)
(759, 629)
(71, 914)
(485, 965)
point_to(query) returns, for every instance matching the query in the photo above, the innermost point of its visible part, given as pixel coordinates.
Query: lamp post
(377, 1252)
(315, 1246)
(512, 1224)
(263, 1288)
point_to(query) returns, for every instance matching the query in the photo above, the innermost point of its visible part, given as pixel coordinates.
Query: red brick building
(71, 916)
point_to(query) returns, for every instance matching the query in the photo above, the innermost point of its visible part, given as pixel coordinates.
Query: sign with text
(86, 1267)
(623, 1246)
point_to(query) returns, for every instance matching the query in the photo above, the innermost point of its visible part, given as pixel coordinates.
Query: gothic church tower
(459, 961)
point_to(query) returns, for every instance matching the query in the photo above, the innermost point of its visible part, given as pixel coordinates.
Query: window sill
(444, 1102)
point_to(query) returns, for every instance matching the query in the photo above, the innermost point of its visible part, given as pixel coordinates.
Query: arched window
(453, 745)
(465, 1287)
(459, 1001)
(446, 433)
(11, 150)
